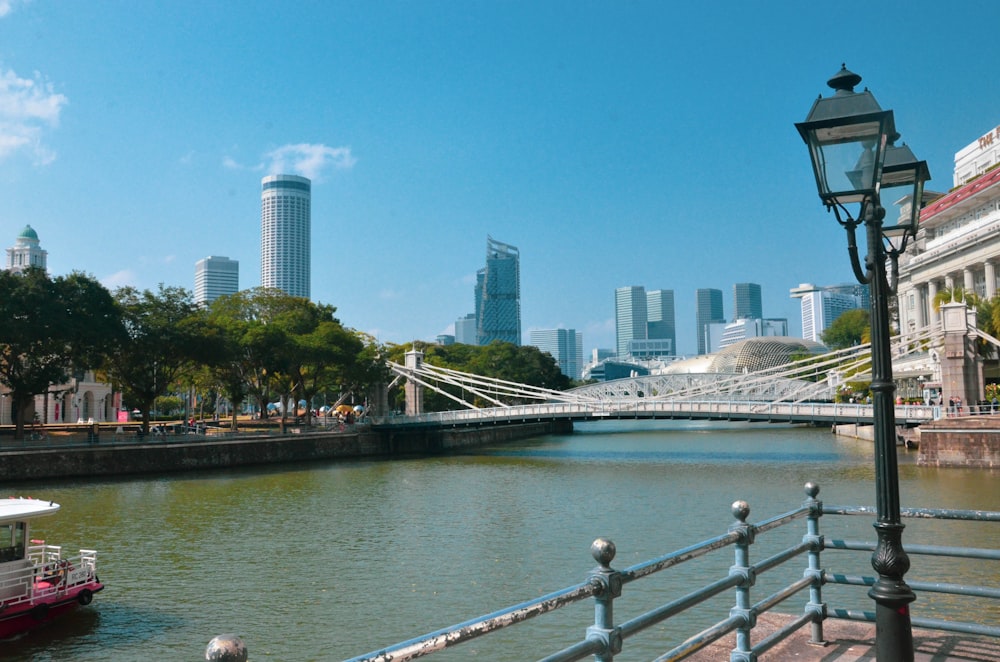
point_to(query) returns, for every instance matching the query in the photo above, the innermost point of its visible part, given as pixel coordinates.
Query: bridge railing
(606, 638)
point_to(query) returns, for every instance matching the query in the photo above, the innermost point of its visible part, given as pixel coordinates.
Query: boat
(37, 583)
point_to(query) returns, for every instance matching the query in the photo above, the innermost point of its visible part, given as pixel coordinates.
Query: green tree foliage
(164, 332)
(50, 325)
(851, 328)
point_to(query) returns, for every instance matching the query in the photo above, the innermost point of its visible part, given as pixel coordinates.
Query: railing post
(748, 577)
(609, 583)
(816, 607)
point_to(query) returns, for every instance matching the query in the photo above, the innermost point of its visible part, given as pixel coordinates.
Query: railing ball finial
(603, 551)
(741, 510)
(226, 648)
(812, 490)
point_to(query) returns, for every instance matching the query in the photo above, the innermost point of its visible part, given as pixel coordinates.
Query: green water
(330, 560)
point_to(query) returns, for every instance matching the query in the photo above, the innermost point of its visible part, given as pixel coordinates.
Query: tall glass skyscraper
(564, 345)
(747, 302)
(630, 317)
(498, 295)
(708, 310)
(660, 323)
(215, 276)
(285, 227)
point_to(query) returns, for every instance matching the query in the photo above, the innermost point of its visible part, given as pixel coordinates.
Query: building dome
(28, 233)
(755, 354)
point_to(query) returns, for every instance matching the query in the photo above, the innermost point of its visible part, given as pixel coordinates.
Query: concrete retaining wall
(173, 456)
(969, 441)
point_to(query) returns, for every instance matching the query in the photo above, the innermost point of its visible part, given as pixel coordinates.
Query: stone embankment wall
(172, 456)
(968, 441)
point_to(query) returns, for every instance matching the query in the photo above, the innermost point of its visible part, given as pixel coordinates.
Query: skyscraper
(630, 317)
(565, 346)
(285, 211)
(498, 295)
(747, 302)
(708, 310)
(26, 251)
(215, 276)
(660, 317)
(822, 305)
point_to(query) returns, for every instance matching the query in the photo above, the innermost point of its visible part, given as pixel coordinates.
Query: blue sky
(614, 143)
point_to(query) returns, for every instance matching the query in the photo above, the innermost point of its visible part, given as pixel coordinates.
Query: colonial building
(958, 243)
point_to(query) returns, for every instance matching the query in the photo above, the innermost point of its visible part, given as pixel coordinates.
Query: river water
(330, 560)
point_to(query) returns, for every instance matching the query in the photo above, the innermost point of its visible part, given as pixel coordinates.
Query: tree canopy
(851, 328)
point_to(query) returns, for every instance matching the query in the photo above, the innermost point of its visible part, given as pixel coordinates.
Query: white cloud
(27, 107)
(119, 279)
(308, 160)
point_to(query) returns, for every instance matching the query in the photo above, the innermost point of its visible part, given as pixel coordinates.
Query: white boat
(37, 582)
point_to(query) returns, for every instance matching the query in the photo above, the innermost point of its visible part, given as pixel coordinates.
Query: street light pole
(852, 145)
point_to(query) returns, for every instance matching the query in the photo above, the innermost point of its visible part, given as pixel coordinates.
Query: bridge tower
(961, 366)
(414, 392)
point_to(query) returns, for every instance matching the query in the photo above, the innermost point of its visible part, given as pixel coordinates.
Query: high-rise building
(465, 329)
(660, 323)
(708, 310)
(747, 302)
(822, 305)
(564, 345)
(721, 334)
(26, 251)
(498, 295)
(630, 316)
(215, 276)
(285, 226)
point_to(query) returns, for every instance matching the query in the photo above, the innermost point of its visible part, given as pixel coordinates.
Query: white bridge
(802, 391)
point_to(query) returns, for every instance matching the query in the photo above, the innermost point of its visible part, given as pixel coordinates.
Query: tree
(851, 328)
(50, 326)
(163, 333)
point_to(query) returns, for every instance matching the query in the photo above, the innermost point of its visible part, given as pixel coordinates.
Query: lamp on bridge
(851, 143)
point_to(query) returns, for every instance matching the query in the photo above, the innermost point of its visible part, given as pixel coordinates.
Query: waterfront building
(958, 241)
(285, 233)
(215, 276)
(26, 251)
(747, 301)
(721, 334)
(465, 329)
(650, 348)
(445, 339)
(821, 306)
(708, 310)
(564, 345)
(630, 317)
(660, 320)
(498, 295)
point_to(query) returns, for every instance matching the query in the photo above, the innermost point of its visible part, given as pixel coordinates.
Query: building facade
(747, 302)
(958, 241)
(708, 310)
(564, 345)
(285, 234)
(821, 306)
(26, 252)
(660, 319)
(721, 335)
(465, 329)
(215, 276)
(498, 295)
(631, 316)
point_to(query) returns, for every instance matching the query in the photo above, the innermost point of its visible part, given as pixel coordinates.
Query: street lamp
(851, 143)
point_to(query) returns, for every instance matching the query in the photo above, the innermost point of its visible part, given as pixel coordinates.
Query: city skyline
(559, 128)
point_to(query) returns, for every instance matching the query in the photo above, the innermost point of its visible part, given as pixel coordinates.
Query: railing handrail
(605, 638)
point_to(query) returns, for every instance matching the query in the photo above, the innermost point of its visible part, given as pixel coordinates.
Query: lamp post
(851, 143)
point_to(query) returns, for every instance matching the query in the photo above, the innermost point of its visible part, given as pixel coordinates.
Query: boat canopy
(17, 509)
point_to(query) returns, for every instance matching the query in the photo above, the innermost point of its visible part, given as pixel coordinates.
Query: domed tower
(26, 251)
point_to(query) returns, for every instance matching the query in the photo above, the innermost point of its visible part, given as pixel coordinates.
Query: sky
(614, 143)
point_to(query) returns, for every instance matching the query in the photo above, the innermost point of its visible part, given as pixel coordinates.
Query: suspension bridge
(803, 390)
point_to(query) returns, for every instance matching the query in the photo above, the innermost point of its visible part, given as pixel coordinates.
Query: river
(330, 560)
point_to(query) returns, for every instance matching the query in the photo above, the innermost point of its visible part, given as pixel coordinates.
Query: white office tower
(285, 204)
(822, 305)
(564, 345)
(215, 276)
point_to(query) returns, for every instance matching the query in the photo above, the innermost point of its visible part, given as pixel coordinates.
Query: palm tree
(954, 295)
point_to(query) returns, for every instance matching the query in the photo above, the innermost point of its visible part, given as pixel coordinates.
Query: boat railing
(606, 638)
(45, 573)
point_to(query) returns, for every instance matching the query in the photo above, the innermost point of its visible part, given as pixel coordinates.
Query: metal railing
(606, 638)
